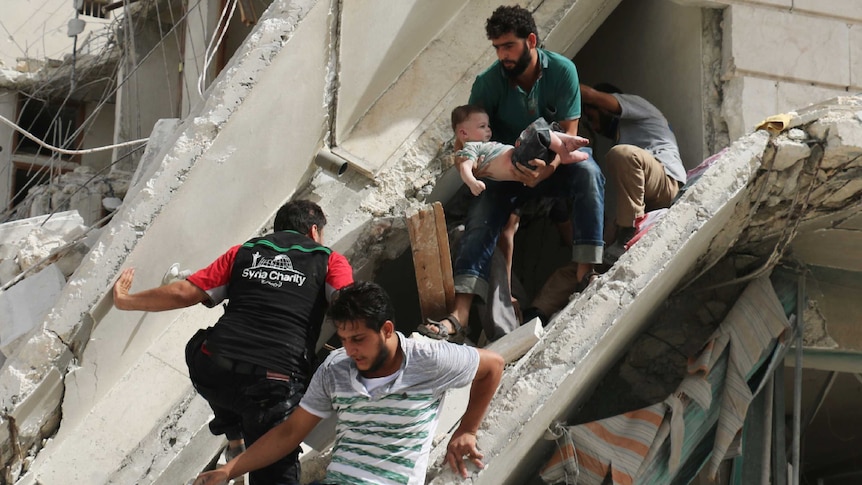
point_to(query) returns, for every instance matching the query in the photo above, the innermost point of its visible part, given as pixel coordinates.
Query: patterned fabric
(651, 445)
(488, 149)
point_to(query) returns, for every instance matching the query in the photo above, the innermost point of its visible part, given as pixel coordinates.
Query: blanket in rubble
(652, 445)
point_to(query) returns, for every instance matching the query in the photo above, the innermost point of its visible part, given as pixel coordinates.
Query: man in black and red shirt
(254, 364)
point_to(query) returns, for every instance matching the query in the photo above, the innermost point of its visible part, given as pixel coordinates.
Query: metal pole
(797, 380)
(768, 423)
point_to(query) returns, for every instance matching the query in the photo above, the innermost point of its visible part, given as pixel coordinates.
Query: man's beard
(520, 65)
(382, 356)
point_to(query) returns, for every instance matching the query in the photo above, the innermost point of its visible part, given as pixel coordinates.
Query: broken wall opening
(659, 50)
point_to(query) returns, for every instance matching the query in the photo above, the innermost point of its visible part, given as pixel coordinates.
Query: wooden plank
(445, 256)
(429, 242)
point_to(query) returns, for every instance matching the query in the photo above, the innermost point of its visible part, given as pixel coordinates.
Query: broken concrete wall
(243, 151)
(786, 54)
(83, 190)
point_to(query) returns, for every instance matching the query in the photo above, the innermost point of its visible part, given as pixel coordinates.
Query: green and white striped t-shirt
(384, 437)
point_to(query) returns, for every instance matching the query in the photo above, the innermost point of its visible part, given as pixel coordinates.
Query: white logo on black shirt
(273, 271)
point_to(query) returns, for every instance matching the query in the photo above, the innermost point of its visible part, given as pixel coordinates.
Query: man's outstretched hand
(462, 447)
(122, 287)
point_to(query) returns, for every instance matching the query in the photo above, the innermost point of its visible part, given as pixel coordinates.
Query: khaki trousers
(641, 183)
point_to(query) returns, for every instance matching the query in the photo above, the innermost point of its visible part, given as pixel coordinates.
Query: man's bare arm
(179, 294)
(463, 442)
(271, 447)
(601, 100)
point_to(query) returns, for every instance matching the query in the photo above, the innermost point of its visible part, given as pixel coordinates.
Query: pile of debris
(37, 256)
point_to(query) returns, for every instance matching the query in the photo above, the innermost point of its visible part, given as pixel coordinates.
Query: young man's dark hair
(364, 301)
(299, 216)
(603, 122)
(607, 88)
(512, 18)
(461, 113)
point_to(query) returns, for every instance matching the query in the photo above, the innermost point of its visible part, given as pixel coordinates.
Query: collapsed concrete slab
(724, 211)
(24, 305)
(105, 345)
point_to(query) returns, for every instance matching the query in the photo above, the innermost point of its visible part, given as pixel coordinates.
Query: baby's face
(477, 127)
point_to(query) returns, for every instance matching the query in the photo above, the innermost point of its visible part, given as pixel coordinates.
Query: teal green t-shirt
(556, 96)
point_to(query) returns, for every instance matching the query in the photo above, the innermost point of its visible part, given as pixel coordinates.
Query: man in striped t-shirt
(385, 390)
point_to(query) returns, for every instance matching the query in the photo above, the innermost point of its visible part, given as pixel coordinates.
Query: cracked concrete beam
(588, 335)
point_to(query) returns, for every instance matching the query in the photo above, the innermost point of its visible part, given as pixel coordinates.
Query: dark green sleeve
(568, 93)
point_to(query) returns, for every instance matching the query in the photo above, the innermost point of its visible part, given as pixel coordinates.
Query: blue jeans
(580, 183)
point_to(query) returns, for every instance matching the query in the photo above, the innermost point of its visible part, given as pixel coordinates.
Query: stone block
(835, 8)
(843, 140)
(788, 45)
(24, 305)
(788, 153)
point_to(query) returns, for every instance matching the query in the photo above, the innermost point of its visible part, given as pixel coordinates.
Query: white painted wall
(38, 30)
(784, 55)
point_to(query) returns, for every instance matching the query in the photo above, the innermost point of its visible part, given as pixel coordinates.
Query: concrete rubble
(67, 389)
(82, 190)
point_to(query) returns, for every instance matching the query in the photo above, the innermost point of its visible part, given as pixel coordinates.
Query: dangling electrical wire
(221, 30)
(64, 151)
